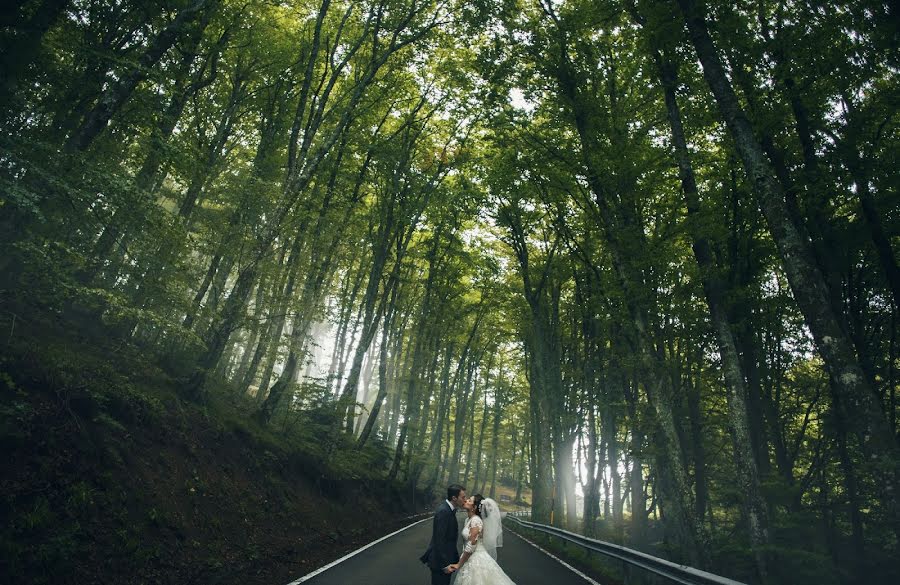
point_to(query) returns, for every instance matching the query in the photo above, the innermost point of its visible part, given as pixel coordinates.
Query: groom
(442, 550)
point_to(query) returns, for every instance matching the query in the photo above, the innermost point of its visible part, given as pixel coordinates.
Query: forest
(634, 261)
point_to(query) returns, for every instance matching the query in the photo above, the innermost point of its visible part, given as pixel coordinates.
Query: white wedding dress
(480, 568)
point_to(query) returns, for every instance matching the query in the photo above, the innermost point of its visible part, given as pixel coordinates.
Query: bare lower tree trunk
(336, 369)
(636, 477)
(459, 422)
(612, 461)
(442, 412)
(470, 422)
(495, 439)
(591, 482)
(520, 476)
(196, 304)
(851, 485)
(565, 473)
(280, 318)
(382, 370)
(256, 327)
(480, 450)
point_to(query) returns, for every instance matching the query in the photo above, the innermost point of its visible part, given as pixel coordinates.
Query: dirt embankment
(104, 480)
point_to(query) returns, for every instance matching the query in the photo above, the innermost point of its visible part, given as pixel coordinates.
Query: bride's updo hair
(476, 503)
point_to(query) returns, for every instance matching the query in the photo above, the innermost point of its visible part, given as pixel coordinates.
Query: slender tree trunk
(459, 420)
(565, 473)
(441, 417)
(470, 422)
(526, 456)
(480, 450)
(636, 479)
(197, 302)
(698, 448)
(612, 461)
(280, 318)
(272, 313)
(591, 493)
(336, 370)
(256, 327)
(420, 408)
(495, 438)
(418, 360)
(382, 370)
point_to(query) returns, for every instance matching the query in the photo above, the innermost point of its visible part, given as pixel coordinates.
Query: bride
(483, 534)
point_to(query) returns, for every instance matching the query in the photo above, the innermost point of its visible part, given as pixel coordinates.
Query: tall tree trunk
(865, 416)
(286, 297)
(352, 280)
(698, 449)
(745, 459)
(565, 473)
(272, 313)
(624, 236)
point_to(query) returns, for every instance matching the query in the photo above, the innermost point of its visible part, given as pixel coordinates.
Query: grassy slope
(110, 477)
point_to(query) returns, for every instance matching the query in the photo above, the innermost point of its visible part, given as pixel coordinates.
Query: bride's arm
(474, 531)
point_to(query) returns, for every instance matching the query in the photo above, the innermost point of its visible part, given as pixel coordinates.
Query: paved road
(395, 561)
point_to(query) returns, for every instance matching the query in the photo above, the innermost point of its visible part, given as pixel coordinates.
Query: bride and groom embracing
(482, 534)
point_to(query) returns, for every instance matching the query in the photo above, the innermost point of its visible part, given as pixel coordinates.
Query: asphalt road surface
(395, 561)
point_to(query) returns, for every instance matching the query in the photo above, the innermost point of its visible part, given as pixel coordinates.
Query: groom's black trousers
(440, 578)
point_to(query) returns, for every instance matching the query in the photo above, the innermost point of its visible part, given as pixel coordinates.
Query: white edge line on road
(309, 576)
(559, 560)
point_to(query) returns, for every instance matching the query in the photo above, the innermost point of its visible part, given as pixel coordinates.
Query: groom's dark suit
(442, 549)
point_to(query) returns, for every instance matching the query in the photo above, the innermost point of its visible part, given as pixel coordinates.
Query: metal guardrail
(667, 569)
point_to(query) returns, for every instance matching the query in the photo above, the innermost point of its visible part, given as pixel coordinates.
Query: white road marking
(559, 560)
(309, 576)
